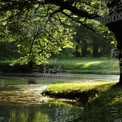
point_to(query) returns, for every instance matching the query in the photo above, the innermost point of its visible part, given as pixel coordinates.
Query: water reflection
(24, 103)
(21, 94)
(48, 112)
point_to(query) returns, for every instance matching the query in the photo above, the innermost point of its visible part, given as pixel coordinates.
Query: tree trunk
(84, 48)
(95, 53)
(77, 53)
(119, 46)
(84, 51)
(120, 80)
(116, 28)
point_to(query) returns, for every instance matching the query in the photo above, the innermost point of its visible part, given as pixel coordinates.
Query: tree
(37, 36)
(92, 42)
(108, 13)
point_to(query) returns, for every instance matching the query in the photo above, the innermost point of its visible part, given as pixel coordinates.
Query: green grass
(87, 65)
(101, 101)
(10, 81)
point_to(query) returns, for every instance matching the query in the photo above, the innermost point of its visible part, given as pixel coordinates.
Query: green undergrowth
(100, 100)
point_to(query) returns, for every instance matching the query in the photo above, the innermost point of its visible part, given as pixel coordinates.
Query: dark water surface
(24, 103)
(57, 78)
(20, 102)
(49, 112)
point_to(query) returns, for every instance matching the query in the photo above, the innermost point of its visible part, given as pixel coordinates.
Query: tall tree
(91, 9)
(36, 34)
(90, 41)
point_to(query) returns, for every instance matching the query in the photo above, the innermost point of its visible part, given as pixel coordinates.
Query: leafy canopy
(42, 27)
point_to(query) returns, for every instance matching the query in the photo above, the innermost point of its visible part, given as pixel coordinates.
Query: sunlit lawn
(83, 65)
(87, 65)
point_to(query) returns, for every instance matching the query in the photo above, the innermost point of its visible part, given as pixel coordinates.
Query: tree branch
(68, 6)
(56, 11)
(20, 5)
(77, 21)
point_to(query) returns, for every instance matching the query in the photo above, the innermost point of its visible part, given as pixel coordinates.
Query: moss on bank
(80, 91)
(100, 100)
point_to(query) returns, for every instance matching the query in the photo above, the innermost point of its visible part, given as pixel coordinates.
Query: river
(22, 102)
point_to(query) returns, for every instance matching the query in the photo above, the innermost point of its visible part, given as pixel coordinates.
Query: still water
(49, 112)
(24, 103)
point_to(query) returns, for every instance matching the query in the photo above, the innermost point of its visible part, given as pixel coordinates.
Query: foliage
(90, 41)
(8, 53)
(42, 28)
(36, 38)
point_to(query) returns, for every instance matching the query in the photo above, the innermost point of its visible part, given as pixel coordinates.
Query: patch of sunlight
(87, 64)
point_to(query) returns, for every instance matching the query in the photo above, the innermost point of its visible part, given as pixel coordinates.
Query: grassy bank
(101, 101)
(87, 65)
(69, 65)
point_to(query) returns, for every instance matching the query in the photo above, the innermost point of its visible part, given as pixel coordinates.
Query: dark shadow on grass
(106, 106)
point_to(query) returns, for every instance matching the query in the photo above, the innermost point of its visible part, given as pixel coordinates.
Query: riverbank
(98, 98)
(106, 66)
(42, 78)
(87, 65)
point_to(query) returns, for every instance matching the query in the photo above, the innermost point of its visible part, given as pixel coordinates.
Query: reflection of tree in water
(49, 112)
(23, 114)
(4, 116)
(28, 114)
(60, 112)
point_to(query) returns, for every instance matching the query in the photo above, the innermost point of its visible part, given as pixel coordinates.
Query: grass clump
(101, 101)
(80, 91)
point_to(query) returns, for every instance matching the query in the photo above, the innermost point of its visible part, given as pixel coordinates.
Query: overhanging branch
(77, 21)
(56, 11)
